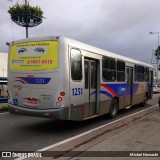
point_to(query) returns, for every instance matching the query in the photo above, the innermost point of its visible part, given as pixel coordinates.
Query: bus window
(76, 65)
(146, 74)
(3, 87)
(93, 75)
(108, 69)
(135, 73)
(140, 73)
(120, 71)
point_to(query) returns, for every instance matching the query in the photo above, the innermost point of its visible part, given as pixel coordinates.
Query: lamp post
(26, 24)
(157, 53)
(25, 15)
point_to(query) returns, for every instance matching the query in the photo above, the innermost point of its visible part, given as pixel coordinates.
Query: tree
(26, 15)
(157, 52)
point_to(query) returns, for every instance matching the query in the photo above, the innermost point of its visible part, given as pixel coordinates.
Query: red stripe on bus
(110, 89)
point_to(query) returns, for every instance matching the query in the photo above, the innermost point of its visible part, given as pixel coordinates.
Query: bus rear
(33, 78)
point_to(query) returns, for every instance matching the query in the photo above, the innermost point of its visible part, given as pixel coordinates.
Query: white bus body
(64, 79)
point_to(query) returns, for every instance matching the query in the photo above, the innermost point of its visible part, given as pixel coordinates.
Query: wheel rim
(114, 109)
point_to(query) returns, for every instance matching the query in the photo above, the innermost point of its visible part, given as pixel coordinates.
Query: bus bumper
(59, 114)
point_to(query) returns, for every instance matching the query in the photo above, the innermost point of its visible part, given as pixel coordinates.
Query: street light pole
(26, 23)
(157, 54)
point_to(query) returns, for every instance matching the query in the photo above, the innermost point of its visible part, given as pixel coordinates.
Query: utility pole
(158, 52)
(26, 16)
(26, 23)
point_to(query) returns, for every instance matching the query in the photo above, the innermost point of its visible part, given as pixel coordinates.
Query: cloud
(120, 26)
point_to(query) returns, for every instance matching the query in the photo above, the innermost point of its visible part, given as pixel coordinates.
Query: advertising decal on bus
(31, 56)
(120, 90)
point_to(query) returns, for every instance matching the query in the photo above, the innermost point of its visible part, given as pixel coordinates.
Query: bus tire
(113, 108)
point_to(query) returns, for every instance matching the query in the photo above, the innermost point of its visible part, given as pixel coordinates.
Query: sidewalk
(139, 132)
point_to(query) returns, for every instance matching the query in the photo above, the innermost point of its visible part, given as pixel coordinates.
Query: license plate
(32, 101)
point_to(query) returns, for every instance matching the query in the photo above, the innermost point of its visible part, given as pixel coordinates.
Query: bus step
(90, 117)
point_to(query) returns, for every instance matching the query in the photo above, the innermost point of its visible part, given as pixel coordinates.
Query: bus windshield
(34, 56)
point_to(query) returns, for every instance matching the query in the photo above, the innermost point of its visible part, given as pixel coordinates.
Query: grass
(3, 107)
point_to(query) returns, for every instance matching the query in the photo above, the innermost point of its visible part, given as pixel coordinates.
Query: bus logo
(6, 154)
(17, 61)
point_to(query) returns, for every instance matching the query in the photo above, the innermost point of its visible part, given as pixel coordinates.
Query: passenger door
(90, 92)
(129, 86)
(150, 87)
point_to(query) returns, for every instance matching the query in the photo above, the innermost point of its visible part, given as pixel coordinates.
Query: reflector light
(50, 114)
(58, 104)
(62, 93)
(60, 99)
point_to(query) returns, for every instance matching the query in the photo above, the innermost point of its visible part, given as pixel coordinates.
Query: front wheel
(113, 108)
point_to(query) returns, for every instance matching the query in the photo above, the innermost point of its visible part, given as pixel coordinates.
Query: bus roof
(104, 52)
(85, 47)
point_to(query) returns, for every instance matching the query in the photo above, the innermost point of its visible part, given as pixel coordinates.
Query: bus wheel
(144, 103)
(113, 108)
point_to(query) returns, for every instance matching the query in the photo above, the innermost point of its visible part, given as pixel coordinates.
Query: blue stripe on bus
(94, 92)
(32, 80)
(103, 92)
(120, 89)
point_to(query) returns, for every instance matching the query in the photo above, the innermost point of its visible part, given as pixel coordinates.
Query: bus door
(129, 86)
(90, 92)
(150, 88)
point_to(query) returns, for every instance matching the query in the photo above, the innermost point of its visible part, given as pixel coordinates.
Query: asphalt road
(23, 133)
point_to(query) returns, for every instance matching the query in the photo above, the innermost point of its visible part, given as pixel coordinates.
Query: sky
(118, 26)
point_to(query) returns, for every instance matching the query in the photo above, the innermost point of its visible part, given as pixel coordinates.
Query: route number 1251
(77, 91)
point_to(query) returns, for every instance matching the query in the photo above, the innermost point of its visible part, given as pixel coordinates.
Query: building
(3, 82)
(3, 64)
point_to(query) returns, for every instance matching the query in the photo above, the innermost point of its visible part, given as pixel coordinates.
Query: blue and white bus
(60, 78)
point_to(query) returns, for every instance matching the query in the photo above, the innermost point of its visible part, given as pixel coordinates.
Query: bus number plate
(77, 91)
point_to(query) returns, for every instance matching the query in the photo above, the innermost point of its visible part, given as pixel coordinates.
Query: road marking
(82, 134)
(90, 131)
(4, 113)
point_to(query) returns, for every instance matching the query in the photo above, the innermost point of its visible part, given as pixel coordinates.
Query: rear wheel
(113, 108)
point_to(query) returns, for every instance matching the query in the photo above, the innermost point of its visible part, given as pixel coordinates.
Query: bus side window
(108, 69)
(140, 73)
(120, 71)
(146, 74)
(127, 77)
(76, 65)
